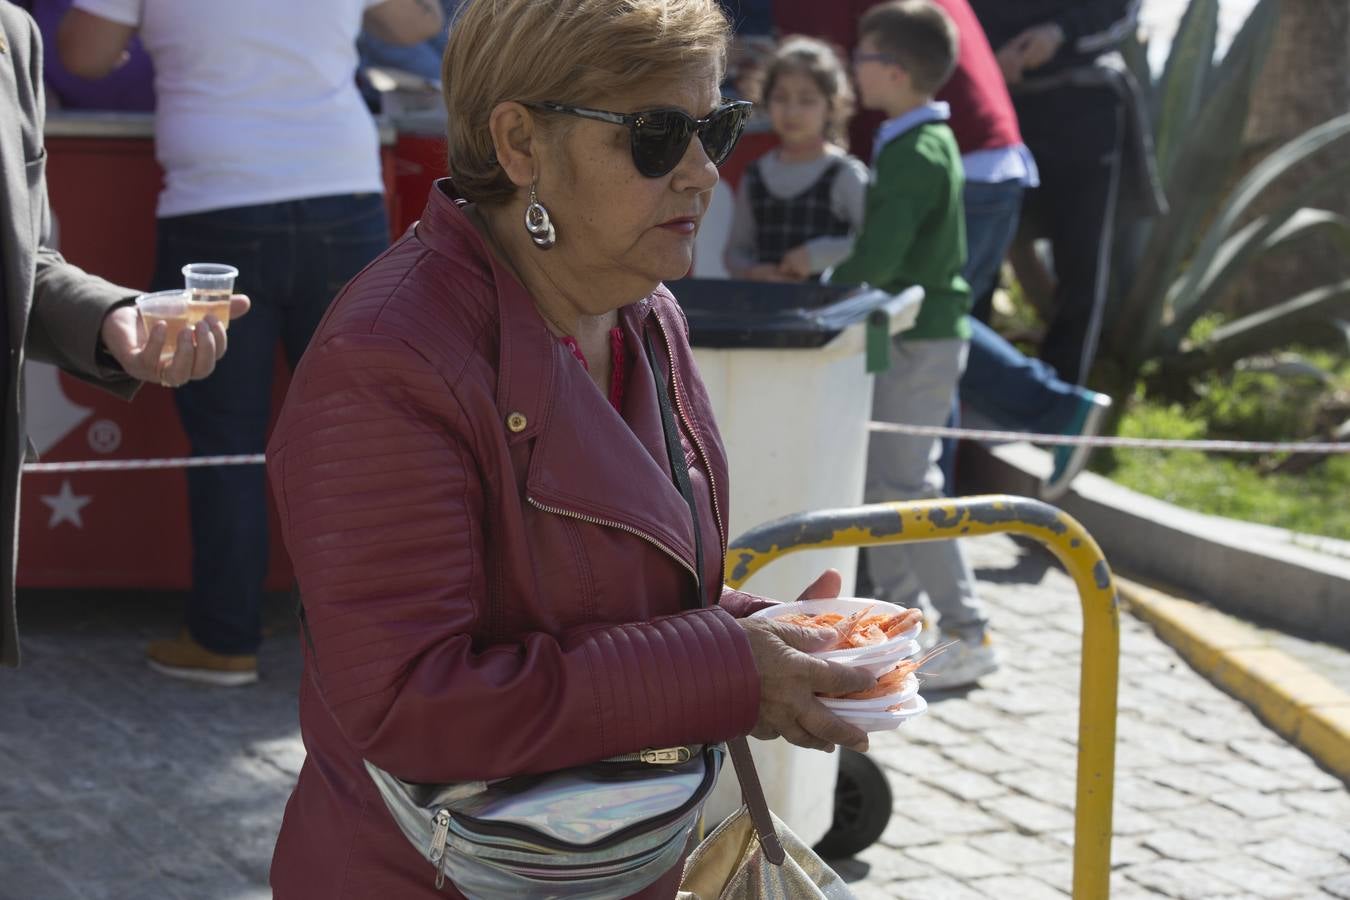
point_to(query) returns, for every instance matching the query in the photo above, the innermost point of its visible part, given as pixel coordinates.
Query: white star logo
(66, 506)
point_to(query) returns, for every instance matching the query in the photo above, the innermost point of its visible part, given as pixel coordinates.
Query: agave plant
(1172, 270)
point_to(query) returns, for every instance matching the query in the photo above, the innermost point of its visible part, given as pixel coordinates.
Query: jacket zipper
(693, 435)
(557, 511)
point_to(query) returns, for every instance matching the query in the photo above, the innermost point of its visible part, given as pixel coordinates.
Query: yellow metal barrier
(933, 520)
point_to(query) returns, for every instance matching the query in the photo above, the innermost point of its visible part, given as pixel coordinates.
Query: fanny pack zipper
(441, 821)
(439, 833)
(665, 756)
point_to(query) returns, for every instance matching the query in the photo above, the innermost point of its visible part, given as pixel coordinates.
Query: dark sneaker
(182, 657)
(1070, 460)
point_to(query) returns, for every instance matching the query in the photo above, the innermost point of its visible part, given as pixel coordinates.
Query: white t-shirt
(256, 99)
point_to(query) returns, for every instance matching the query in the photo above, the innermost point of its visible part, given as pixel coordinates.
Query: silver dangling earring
(538, 223)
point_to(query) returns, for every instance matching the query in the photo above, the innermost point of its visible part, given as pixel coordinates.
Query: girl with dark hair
(799, 205)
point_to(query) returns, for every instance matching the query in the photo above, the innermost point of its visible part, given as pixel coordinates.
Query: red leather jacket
(495, 564)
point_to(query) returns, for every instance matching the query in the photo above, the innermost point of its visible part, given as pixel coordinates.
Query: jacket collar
(889, 130)
(588, 460)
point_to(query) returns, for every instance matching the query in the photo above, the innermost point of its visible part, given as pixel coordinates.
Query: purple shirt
(130, 88)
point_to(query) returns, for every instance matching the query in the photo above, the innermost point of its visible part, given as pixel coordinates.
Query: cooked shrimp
(861, 629)
(890, 683)
(866, 635)
(902, 622)
(879, 629)
(819, 620)
(846, 627)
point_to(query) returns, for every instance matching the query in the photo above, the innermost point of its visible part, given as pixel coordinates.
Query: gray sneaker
(963, 663)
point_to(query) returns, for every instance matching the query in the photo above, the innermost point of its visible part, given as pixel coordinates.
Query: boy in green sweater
(914, 233)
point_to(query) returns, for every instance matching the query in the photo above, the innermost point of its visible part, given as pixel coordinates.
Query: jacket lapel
(592, 462)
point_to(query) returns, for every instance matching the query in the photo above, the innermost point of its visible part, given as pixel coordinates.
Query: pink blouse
(619, 369)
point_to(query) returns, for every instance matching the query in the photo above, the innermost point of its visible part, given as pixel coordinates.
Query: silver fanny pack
(608, 829)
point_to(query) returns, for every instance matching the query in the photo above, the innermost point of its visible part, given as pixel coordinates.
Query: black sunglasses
(659, 137)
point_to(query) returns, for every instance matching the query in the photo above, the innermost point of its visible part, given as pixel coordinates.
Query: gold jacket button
(517, 422)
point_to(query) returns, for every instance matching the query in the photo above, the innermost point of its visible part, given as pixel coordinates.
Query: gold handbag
(753, 855)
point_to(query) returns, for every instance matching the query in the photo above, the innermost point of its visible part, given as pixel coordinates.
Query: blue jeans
(992, 212)
(1014, 391)
(293, 257)
(1000, 385)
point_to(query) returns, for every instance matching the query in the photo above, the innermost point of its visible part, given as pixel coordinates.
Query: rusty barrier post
(934, 520)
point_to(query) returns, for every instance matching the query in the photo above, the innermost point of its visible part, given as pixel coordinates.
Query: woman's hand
(789, 679)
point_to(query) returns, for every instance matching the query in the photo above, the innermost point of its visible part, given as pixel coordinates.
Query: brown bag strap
(753, 796)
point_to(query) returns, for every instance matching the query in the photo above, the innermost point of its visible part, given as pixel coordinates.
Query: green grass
(1250, 406)
(1237, 405)
(1313, 502)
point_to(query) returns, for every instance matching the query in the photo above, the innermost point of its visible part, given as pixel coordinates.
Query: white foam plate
(908, 689)
(847, 606)
(882, 663)
(884, 720)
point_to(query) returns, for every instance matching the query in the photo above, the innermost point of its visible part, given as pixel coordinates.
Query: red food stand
(129, 529)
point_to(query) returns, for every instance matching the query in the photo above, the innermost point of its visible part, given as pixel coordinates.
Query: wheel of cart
(862, 806)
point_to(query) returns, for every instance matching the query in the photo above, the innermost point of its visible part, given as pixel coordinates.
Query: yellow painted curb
(1325, 734)
(1305, 708)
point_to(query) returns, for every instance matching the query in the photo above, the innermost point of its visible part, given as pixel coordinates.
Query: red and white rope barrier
(118, 465)
(1064, 440)
(255, 459)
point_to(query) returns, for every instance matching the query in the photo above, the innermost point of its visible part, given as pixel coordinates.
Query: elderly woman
(497, 567)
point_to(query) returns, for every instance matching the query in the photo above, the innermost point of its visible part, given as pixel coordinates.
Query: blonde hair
(818, 61)
(566, 51)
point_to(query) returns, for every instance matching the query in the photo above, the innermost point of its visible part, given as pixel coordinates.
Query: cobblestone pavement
(118, 783)
(1209, 802)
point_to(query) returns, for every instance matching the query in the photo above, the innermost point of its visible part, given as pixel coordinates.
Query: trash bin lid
(726, 312)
